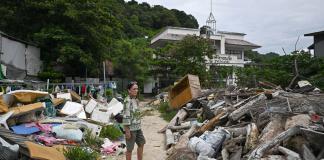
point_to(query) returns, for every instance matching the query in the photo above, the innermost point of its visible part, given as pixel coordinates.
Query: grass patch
(80, 153)
(111, 132)
(166, 112)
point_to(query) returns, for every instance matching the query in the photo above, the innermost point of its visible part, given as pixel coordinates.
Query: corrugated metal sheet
(12, 138)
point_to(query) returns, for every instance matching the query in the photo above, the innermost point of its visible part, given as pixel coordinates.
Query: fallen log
(273, 128)
(169, 139)
(182, 127)
(251, 137)
(263, 148)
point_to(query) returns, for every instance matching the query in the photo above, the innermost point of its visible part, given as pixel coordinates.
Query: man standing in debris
(132, 123)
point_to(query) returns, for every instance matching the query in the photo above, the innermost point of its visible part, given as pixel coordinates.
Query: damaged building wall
(20, 58)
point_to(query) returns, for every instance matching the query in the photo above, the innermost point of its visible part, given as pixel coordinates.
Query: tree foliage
(187, 56)
(76, 35)
(280, 69)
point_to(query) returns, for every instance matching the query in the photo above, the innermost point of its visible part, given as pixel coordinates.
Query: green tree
(132, 59)
(188, 56)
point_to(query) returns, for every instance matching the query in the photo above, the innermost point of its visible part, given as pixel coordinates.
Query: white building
(229, 46)
(19, 59)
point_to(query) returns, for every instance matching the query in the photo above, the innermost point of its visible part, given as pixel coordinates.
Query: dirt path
(154, 147)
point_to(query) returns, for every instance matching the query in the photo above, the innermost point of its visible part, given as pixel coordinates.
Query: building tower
(211, 21)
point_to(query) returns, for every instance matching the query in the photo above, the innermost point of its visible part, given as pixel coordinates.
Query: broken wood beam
(183, 127)
(169, 139)
(212, 122)
(263, 148)
(251, 137)
(235, 132)
(238, 113)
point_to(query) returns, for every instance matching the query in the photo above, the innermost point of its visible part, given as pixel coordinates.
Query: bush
(79, 153)
(166, 112)
(111, 132)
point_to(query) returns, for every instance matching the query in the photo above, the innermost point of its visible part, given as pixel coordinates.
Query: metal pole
(47, 86)
(104, 73)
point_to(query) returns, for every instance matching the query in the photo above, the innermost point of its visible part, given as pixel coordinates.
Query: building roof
(232, 33)
(16, 39)
(311, 46)
(170, 27)
(314, 33)
(240, 43)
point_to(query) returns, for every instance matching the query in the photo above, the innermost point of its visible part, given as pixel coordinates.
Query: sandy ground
(151, 124)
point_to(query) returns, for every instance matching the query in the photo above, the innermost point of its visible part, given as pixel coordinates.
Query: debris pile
(36, 123)
(236, 123)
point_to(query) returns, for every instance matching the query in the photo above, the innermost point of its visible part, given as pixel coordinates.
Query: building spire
(211, 21)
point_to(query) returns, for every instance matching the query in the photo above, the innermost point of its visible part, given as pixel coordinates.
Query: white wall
(20, 56)
(14, 53)
(34, 64)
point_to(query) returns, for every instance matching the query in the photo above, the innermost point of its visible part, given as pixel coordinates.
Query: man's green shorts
(136, 136)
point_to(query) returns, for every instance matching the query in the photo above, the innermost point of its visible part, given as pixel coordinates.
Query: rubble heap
(40, 125)
(251, 124)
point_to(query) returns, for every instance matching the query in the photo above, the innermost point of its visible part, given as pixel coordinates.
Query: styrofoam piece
(303, 84)
(84, 102)
(72, 108)
(95, 129)
(115, 107)
(66, 96)
(82, 114)
(100, 114)
(92, 104)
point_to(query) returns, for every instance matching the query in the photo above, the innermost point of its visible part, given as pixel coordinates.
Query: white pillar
(222, 46)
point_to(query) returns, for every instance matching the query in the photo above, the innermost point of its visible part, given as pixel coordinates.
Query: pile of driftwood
(235, 124)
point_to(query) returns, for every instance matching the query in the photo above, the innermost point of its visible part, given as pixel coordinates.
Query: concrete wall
(20, 59)
(319, 45)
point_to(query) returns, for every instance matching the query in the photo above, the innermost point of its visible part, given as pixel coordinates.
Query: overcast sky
(273, 24)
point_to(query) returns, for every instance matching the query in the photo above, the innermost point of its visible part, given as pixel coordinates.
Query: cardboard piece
(183, 92)
(57, 101)
(27, 96)
(45, 153)
(75, 96)
(3, 105)
(27, 109)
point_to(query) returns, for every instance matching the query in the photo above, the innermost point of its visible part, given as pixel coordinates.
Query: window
(237, 53)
